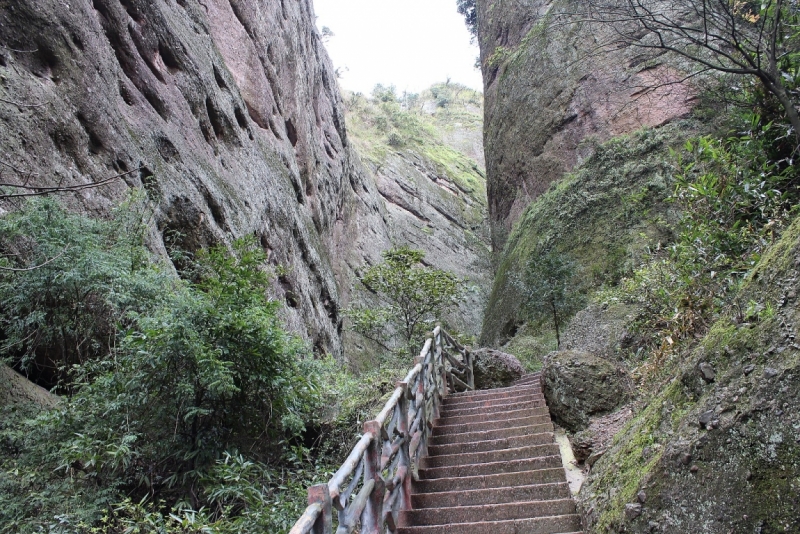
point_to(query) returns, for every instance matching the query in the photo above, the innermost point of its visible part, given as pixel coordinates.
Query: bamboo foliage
(373, 485)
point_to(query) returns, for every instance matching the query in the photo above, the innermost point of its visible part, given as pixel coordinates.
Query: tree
(760, 40)
(414, 294)
(546, 289)
(468, 9)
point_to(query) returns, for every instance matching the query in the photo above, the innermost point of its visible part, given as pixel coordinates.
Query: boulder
(495, 369)
(578, 385)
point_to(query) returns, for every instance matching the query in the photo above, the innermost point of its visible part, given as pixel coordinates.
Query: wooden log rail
(374, 483)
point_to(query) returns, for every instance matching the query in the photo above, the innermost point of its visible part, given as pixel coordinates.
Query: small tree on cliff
(545, 287)
(414, 295)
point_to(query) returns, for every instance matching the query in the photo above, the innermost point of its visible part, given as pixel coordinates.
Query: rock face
(430, 175)
(716, 456)
(495, 369)
(578, 385)
(16, 392)
(227, 112)
(600, 329)
(551, 83)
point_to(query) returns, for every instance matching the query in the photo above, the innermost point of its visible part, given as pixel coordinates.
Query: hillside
(674, 206)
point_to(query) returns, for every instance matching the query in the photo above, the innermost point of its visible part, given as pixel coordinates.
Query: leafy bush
(67, 281)
(167, 376)
(414, 295)
(735, 195)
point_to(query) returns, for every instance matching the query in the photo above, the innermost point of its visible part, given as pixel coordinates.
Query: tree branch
(40, 191)
(26, 269)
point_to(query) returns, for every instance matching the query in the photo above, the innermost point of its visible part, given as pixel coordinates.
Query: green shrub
(169, 374)
(68, 281)
(736, 195)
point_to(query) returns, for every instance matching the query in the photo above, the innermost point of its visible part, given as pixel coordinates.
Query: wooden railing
(374, 484)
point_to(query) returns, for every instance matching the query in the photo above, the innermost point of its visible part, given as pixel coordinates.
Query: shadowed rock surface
(578, 385)
(495, 369)
(552, 83)
(227, 113)
(16, 392)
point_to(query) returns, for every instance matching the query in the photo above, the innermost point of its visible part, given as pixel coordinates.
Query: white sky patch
(410, 44)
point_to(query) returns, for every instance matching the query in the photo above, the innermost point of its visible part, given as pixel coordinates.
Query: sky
(410, 44)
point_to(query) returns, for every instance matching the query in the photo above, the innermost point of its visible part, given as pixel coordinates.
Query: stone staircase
(493, 467)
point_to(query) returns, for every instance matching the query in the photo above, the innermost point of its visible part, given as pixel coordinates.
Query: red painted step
(493, 467)
(486, 512)
(502, 480)
(459, 428)
(535, 492)
(492, 416)
(502, 455)
(500, 433)
(492, 444)
(538, 525)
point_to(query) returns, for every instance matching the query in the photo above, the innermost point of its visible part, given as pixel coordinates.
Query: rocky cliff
(227, 112)
(711, 443)
(555, 89)
(555, 86)
(425, 154)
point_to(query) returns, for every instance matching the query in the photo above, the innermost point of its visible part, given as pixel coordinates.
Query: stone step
(490, 403)
(486, 512)
(540, 525)
(502, 480)
(503, 455)
(492, 394)
(491, 416)
(535, 378)
(447, 499)
(488, 435)
(492, 468)
(487, 408)
(461, 428)
(493, 444)
(478, 392)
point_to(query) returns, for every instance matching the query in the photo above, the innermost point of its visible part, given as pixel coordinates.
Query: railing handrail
(394, 449)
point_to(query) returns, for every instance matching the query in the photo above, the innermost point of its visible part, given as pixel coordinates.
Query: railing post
(442, 366)
(470, 368)
(372, 516)
(403, 427)
(321, 494)
(417, 393)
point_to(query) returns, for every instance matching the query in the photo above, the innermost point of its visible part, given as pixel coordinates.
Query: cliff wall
(556, 87)
(711, 442)
(227, 112)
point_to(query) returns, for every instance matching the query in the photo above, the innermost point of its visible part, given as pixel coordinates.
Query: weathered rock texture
(600, 329)
(551, 84)
(721, 456)
(226, 111)
(16, 392)
(495, 369)
(603, 217)
(579, 385)
(430, 175)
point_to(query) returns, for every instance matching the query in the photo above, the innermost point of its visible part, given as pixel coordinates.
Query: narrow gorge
(191, 205)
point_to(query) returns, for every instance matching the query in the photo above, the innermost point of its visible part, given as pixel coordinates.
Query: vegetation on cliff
(691, 229)
(443, 123)
(184, 402)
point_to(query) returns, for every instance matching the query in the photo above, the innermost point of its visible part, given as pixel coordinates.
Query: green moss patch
(605, 215)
